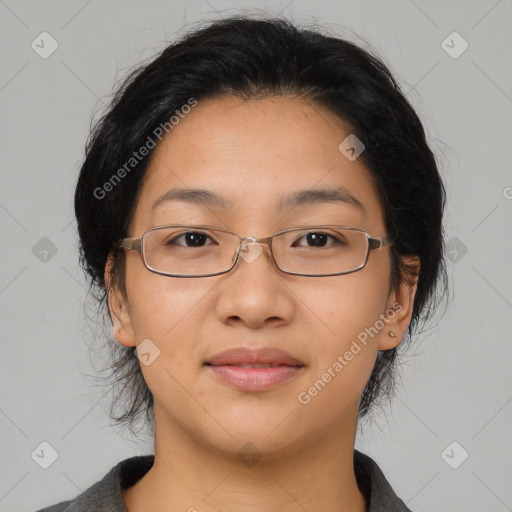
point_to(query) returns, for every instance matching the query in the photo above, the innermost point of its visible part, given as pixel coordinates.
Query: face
(253, 154)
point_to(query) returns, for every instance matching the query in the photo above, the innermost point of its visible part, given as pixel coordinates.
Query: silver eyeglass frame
(137, 244)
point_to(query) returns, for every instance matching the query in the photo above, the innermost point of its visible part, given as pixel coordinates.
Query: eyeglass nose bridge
(250, 248)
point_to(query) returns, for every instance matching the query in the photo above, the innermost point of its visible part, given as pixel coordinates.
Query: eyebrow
(307, 197)
(319, 196)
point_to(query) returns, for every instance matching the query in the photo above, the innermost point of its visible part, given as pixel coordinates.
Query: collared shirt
(106, 495)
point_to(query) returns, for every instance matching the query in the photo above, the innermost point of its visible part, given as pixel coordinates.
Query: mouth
(253, 370)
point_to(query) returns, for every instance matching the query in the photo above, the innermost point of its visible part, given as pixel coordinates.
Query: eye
(189, 239)
(316, 239)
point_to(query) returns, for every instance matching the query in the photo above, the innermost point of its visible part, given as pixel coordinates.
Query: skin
(252, 153)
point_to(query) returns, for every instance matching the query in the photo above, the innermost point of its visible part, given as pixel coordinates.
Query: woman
(264, 216)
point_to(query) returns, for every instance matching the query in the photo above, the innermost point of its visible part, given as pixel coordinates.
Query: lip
(253, 370)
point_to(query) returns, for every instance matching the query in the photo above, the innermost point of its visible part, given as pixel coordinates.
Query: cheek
(158, 304)
(348, 311)
(347, 305)
(167, 312)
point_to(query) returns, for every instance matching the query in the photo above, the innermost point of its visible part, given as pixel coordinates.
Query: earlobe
(121, 322)
(400, 307)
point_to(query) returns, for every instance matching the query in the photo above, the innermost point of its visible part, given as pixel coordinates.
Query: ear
(118, 307)
(400, 306)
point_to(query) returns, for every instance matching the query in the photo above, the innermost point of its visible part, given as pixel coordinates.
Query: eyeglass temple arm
(377, 243)
(133, 244)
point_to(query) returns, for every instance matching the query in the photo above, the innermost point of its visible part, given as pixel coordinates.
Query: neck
(316, 476)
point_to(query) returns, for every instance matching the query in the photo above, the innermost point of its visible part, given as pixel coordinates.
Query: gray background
(456, 383)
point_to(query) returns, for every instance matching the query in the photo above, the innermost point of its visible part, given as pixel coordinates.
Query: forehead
(254, 154)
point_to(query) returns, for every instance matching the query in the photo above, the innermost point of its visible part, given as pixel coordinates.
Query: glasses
(201, 251)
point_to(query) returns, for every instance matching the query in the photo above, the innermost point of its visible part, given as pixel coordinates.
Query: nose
(254, 292)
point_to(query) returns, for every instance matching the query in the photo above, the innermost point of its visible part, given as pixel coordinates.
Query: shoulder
(378, 492)
(64, 506)
(106, 494)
